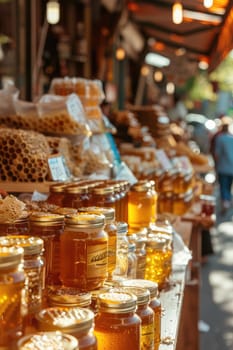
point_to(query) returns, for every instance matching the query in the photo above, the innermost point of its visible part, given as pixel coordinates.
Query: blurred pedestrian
(223, 152)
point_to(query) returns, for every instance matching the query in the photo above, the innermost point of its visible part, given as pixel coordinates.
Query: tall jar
(33, 266)
(86, 244)
(111, 229)
(76, 196)
(154, 304)
(48, 340)
(56, 193)
(141, 205)
(76, 321)
(50, 228)
(11, 295)
(146, 315)
(19, 226)
(121, 251)
(117, 326)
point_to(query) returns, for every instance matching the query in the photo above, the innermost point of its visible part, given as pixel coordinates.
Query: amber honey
(123, 214)
(48, 340)
(182, 202)
(111, 229)
(86, 244)
(75, 321)
(102, 195)
(11, 298)
(19, 226)
(76, 196)
(56, 193)
(50, 228)
(117, 326)
(165, 202)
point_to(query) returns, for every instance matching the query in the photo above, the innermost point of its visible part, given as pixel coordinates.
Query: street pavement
(216, 293)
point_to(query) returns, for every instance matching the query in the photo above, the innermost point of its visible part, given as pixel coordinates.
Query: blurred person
(223, 120)
(223, 153)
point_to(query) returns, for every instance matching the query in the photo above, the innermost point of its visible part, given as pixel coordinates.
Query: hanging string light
(177, 12)
(208, 3)
(53, 11)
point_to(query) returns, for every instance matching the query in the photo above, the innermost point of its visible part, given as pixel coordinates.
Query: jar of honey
(168, 180)
(121, 251)
(68, 297)
(56, 193)
(12, 281)
(154, 304)
(155, 195)
(19, 226)
(86, 244)
(48, 340)
(117, 195)
(117, 326)
(207, 205)
(182, 202)
(111, 229)
(33, 266)
(76, 196)
(103, 196)
(155, 260)
(145, 313)
(50, 228)
(123, 215)
(165, 202)
(158, 177)
(141, 205)
(76, 321)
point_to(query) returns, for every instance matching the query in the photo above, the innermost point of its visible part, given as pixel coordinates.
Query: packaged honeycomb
(23, 155)
(26, 115)
(60, 115)
(7, 95)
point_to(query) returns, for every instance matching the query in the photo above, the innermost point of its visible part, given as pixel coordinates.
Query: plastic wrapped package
(26, 115)
(7, 108)
(60, 115)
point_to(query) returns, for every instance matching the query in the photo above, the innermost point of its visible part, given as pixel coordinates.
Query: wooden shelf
(20, 187)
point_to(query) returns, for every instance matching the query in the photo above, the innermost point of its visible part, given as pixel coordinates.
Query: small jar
(132, 261)
(154, 304)
(111, 229)
(165, 202)
(76, 321)
(121, 251)
(117, 326)
(50, 228)
(182, 202)
(76, 196)
(33, 266)
(207, 205)
(155, 260)
(56, 193)
(19, 226)
(48, 340)
(12, 281)
(68, 297)
(145, 313)
(141, 205)
(103, 196)
(85, 242)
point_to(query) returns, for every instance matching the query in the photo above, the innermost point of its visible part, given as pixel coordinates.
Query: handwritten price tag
(58, 168)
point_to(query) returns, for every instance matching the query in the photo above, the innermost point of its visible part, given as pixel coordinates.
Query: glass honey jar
(103, 196)
(158, 177)
(145, 313)
(123, 213)
(33, 266)
(155, 195)
(165, 202)
(154, 304)
(141, 205)
(167, 182)
(85, 242)
(76, 196)
(117, 326)
(121, 251)
(49, 227)
(19, 226)
(48, 340)
(155, 260)
(76, 321)
(56, 193)
(182, 202)
(111, 229)
(68, 297)
(12, 281)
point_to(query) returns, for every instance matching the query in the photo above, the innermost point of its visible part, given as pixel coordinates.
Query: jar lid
(109, 213)
(67, 296)
(65, 211)
(142, 294)
(122, 227)
(48, 340)
(42, 218)
(141, 283)
(117, 302)
(31, 245)
(10, 257)
(85, 220)
(103, 189)
(66, 319)
(156, 243)
(76, 189)
(58, 187)
(163, 227)
(141, 186)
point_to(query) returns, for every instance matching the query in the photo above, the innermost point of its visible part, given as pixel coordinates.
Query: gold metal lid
(41, 218)
(76, 189)
(31, 245)
(48, 340)
(141, 186)
(117, 302)
(85, 220)
(58, 187)
(103, 189)
(141, 283)
(65, 319)
(109, 213)
(65, 211)
(142, 294)
(10, 257)
(69, 297)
